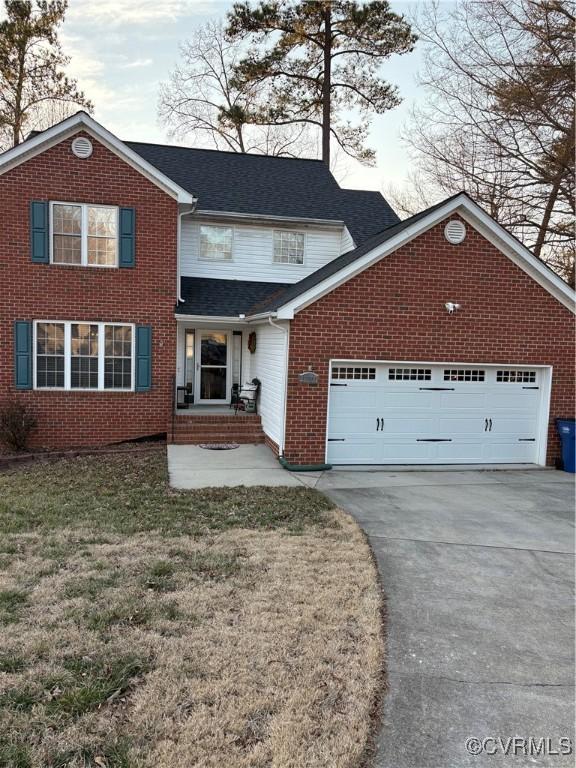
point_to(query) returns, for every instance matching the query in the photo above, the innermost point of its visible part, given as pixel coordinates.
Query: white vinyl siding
(347, 242)
(268, 364)
(253, 253)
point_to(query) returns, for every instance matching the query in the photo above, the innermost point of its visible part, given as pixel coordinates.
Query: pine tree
(31, 67)
(321, 64)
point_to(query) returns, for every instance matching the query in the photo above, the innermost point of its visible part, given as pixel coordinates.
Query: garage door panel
(463, 401)
(493, 418)
(407, 423)
(355, 399)
(409, 399)
(512, 400)
(354, 425)
(452, 424)
(511, 451)
(354, 451)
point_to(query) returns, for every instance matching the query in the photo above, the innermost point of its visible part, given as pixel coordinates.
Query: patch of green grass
(12, 601)
(95, 683)
(84, 685)
(130, 494)
(21, 699)
(210, 565)
(160, 577)
(11, 662)
(89, 587)
(129, 612)
(114, 755)
(14, 755)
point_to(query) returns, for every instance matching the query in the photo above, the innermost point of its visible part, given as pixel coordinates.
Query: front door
(213, 366)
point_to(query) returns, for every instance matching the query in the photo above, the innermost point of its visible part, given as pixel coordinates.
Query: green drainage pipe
(303, 467)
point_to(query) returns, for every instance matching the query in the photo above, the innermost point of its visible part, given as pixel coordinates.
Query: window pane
(67, 219)
(84, 351)
(67, 249)
(50, 355)
(118, 357)
(288, 247)
(213, 349)
(216, 243)
(102, 222)
(102, 250)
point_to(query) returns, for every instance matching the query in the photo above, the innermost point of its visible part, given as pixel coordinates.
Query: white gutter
(181, 214)
(332, 223)
(286, 332)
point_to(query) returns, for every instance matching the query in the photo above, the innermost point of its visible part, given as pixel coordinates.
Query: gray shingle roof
(224, 298)
(268, 186)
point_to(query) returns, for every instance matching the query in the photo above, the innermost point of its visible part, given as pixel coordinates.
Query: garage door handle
(490, 430)
(485, 425)
(336, 439)
(526, 439)
(377, 425)
(437, 389)
(434, 440)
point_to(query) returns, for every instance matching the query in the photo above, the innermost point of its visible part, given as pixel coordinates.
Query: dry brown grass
(235, 648)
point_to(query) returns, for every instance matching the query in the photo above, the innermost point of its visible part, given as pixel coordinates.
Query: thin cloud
(141, 12)
(137, 63)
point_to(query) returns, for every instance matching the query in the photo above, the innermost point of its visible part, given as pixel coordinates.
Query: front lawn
(142, 627)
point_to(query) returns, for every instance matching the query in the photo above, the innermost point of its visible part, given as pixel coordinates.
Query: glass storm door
(212, 366)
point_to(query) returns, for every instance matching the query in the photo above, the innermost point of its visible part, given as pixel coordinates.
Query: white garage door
(433, 414)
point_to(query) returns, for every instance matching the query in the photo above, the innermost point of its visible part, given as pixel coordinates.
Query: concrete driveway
(477, 569)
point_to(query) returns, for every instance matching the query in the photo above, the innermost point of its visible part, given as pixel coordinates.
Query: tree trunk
(547, 215)
(327, 85)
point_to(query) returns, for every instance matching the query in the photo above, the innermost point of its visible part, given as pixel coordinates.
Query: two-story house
(134, 274)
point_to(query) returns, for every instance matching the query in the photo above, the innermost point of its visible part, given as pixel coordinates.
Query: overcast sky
(122, 49)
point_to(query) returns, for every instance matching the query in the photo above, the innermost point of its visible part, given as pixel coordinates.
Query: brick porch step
(191, 430)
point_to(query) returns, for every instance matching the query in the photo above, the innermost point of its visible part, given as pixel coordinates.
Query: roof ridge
(224, 151)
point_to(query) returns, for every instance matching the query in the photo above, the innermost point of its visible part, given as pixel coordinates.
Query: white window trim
(68, 356)
(208, 259)
(304, 248)
(83, 235)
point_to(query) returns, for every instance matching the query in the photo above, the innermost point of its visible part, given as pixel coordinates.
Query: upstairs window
(288, 247)
(215, 243)
(85, 235)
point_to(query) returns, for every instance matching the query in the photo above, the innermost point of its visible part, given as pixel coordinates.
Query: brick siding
(143, 295)
(395, 311)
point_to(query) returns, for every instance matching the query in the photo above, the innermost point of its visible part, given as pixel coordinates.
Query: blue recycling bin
(567, 431)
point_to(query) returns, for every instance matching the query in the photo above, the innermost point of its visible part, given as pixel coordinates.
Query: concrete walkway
(190, 466)
(478, 573)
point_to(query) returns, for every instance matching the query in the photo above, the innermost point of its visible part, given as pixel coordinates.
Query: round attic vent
(455, 231)
(82, 147)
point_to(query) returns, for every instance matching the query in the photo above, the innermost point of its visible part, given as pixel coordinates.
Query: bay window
(92, 356)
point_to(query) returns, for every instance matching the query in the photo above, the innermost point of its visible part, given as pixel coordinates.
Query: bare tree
(499, 120)
(201, 101)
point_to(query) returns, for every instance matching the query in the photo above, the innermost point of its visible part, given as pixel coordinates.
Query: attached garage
(450, 413)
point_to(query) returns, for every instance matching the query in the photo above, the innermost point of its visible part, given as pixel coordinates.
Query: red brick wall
(395, 311)
(143, 295)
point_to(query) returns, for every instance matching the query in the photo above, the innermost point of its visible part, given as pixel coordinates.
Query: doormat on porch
(219, 446)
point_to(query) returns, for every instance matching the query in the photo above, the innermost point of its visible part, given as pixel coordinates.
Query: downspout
(281, 459)
(181, 214)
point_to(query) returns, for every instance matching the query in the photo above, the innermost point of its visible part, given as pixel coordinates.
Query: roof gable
(81, 121)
